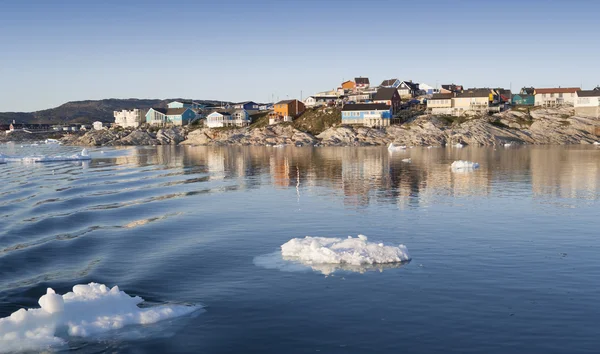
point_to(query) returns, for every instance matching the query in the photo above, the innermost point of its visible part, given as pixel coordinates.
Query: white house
(408, 88)
(97, 125)
(428, 90)
(587, 103)
(471, 101)
(440, 103)
(552, 97)
(219, 119)
(129, 118)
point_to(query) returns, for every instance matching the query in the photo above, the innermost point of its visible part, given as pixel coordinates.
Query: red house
(388, 96)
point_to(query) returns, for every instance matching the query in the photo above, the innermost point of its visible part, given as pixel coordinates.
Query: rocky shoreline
(536, 126)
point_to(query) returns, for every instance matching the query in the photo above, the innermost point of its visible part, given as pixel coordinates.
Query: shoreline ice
(393, 147)
(88, 310)
(82, 156)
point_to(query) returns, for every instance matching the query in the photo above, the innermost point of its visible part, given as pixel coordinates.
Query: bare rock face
(137, 137)
(270, 135)
(170, 136)
(197, 137)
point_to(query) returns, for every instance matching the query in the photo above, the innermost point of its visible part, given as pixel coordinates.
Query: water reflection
(362, 176)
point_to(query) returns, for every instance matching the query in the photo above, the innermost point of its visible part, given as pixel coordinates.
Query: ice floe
(88, 310)
(460, 165)
(408, 160)
(393, 147)
(507, 144)
(458, 145)
(82, 156)
(52, 142)
(327, 255)
(596, 143)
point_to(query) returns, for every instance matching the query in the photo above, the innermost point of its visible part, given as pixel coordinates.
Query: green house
(523, 100)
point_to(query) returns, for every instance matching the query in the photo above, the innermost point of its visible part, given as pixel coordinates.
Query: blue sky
(52, 52)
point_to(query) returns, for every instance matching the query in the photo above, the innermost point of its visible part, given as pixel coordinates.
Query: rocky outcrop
(270, 135)
(170, 136)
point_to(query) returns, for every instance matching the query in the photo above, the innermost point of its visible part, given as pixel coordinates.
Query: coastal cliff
(519, 126)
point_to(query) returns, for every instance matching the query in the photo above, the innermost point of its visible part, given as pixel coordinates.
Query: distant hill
(86, 112)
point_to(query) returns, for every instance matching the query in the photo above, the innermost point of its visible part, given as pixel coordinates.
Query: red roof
(557, 90)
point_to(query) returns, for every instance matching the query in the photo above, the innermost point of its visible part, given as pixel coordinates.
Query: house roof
(223, 113)
(389, 82)
(588, 93)
(412, 85)
(170, 111)
(366, 107)
(442, 96)
(557, 90)
(384, 94)
(474, 93)
(452, 87)
(245, 102)
(183, 101)
(285, 101)
(362, 80)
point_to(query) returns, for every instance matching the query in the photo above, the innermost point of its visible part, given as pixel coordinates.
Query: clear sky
(52, 52)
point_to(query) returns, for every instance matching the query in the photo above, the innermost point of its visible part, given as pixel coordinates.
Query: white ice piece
(408, 160)
(458, 145)
(596, 143)
(352, 251)
(393, 147)
(88, 310)
(461, 166)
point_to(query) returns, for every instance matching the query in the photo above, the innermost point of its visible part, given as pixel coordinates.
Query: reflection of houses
(553, 97)
(129, 118)
(170, 116)
(286, 111)
(370, 114)
(280, 170)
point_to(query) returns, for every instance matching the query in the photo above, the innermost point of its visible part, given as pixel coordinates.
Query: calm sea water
(505, 259)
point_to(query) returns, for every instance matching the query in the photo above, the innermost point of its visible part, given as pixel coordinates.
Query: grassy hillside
(316, 120)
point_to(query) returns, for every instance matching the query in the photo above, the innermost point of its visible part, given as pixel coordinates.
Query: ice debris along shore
(462, 166)
(353, 251)
(393, 147)
(88, 310)
(82, 156)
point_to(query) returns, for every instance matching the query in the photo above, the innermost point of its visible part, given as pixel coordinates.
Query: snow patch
(460, 166)
(82, 156)
(88, 310)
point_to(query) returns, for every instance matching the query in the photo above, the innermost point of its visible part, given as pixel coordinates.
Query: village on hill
(358, 101)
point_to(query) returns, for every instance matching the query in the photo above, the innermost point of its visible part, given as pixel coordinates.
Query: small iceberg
(458, 145)
(408, 160)
(461, 166)
(596, 143)
(88, 310)
(393, 147)
(353, 251)
(82, 156)
(507, 144)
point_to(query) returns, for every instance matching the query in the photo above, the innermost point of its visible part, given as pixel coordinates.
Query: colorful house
(247, 105)
(471, 101)
(371, 114)
(523, 100)
(170, 116)
(388, 96)
(286, 111)
(408, 89)
(348, 85)
(185, 104)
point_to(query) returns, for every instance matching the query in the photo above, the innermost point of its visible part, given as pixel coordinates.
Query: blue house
(371, 114)
(523, 100)
(248, 106)
(185, 104)
(170, 116)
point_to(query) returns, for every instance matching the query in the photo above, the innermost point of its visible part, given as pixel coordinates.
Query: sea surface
(505, 258)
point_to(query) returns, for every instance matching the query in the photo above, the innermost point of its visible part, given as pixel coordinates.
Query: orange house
(348, 85)
(286, 111)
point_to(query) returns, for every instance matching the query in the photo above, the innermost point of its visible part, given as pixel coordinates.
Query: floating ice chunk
(460, 165)
(408, 160)
(458, 145)
(83, 156)
(89, 310)
(52, 142)
(596, 143)
(352, 251)
(393, 147)
(507, 144)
